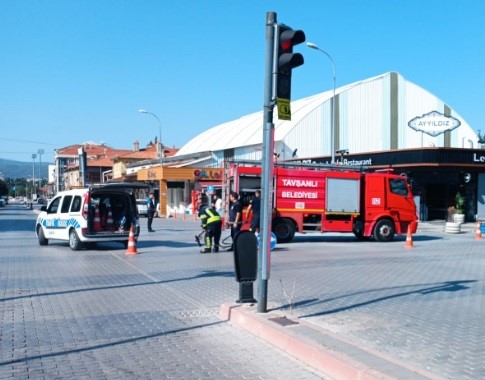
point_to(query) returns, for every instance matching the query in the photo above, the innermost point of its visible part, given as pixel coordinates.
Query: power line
(28, 141)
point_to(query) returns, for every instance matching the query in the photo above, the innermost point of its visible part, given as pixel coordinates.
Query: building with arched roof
(380, 122)
(371, 115)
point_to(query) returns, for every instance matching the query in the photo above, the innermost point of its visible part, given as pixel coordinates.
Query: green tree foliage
(18, 186)
(3, 188)
(481, 139)
(460, 203)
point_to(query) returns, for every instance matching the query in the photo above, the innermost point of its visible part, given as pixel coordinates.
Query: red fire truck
(311, 197)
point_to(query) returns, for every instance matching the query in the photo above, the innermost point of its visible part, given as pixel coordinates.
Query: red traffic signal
(287, 60)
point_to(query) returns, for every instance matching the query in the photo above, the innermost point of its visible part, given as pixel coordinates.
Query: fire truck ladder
(299, 165)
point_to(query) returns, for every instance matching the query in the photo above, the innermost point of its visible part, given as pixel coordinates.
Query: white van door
(64, 218)
(50, 221)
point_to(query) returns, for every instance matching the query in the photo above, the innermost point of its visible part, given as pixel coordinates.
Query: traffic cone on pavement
(109, 221)
(478, 232)
(409, 238)
(97, 220)
(131, 243)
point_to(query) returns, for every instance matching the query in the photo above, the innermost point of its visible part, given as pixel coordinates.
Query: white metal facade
(363, 124)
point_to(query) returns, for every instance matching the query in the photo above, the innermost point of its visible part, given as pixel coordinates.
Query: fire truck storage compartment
(343, 195)
(342, 203)
(247, 187)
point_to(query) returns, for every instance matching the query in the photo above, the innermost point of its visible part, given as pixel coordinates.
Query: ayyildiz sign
(434, 123)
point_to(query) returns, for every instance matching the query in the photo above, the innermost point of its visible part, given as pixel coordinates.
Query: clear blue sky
(78, 71)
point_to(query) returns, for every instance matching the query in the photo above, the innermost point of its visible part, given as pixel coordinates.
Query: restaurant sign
(434, 123)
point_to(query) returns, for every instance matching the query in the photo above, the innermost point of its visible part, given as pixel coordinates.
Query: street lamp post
(40, 152)
(332, 130)
(34, 156)
(160, 152)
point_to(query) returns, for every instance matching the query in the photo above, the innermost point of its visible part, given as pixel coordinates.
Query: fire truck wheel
(384, 230)
(284, 230)
(358, 229)
(360, 235)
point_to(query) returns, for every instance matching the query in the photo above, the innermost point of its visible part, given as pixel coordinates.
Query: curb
(321, 350)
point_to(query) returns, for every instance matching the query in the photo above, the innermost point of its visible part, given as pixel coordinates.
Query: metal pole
(160, 153)
(334, 100)
(40, 152)
(267, 167)
(33, 176)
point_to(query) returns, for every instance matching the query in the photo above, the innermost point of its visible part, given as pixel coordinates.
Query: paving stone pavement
(102, 314)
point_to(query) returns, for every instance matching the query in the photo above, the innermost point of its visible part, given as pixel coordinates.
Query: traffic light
(287, 60)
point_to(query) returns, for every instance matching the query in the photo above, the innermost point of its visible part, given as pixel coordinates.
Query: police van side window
(66, 202)
(54, 205)
(76, 204)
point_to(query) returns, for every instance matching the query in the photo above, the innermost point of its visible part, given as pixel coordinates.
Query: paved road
(102, 313)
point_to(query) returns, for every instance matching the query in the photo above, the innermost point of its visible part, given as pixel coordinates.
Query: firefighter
(255, 207)
(211, 222)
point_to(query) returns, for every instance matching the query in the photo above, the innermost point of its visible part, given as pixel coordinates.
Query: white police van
(99, 213)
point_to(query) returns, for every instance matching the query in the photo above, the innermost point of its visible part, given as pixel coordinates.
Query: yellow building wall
(164, 175)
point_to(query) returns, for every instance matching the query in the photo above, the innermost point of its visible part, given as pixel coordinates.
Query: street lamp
(40, 152)
(160, 152)
(332, 130)
(34, 156)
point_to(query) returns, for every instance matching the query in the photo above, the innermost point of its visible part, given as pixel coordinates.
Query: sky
(78, 71)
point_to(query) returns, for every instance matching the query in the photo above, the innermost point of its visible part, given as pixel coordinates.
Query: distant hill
(19, 169)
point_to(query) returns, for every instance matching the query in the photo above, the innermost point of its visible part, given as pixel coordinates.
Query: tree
(481, 139)
(460, 203)
(3, 188)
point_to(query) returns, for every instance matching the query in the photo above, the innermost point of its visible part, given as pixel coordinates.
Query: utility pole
(280, 60)
(267, 166)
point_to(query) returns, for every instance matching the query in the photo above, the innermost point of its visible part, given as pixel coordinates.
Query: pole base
(246, 292)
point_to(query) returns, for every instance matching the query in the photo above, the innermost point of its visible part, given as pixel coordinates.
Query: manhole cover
(283, 321)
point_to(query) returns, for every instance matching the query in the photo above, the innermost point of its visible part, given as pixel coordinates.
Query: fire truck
(312, 197)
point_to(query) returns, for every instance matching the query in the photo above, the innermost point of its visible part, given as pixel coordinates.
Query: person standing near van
(235, 216)
(150, 211)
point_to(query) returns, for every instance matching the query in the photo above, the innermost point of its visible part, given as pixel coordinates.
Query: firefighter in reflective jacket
(211, 222)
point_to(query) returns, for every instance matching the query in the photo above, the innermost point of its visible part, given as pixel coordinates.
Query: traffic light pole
(267, 167)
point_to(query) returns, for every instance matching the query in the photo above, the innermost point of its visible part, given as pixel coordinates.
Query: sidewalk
(319, 348)
(335, 355)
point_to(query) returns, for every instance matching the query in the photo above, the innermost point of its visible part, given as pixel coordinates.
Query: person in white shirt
(217, 202)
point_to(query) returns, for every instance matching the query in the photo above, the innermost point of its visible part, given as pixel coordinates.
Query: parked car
(100, 213)
(141, 204)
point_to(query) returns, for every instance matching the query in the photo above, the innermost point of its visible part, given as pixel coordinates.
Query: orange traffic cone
(97, 220)
(109, 221)
(131, 243)
(478, 232)
(409, 238)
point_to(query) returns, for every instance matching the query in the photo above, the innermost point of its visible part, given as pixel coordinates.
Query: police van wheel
(74, 241)
(41, 236)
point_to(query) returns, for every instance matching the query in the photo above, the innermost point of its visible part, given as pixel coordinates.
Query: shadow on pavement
(424, 289)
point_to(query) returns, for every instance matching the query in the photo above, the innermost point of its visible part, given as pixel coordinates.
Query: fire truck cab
(330, 199)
